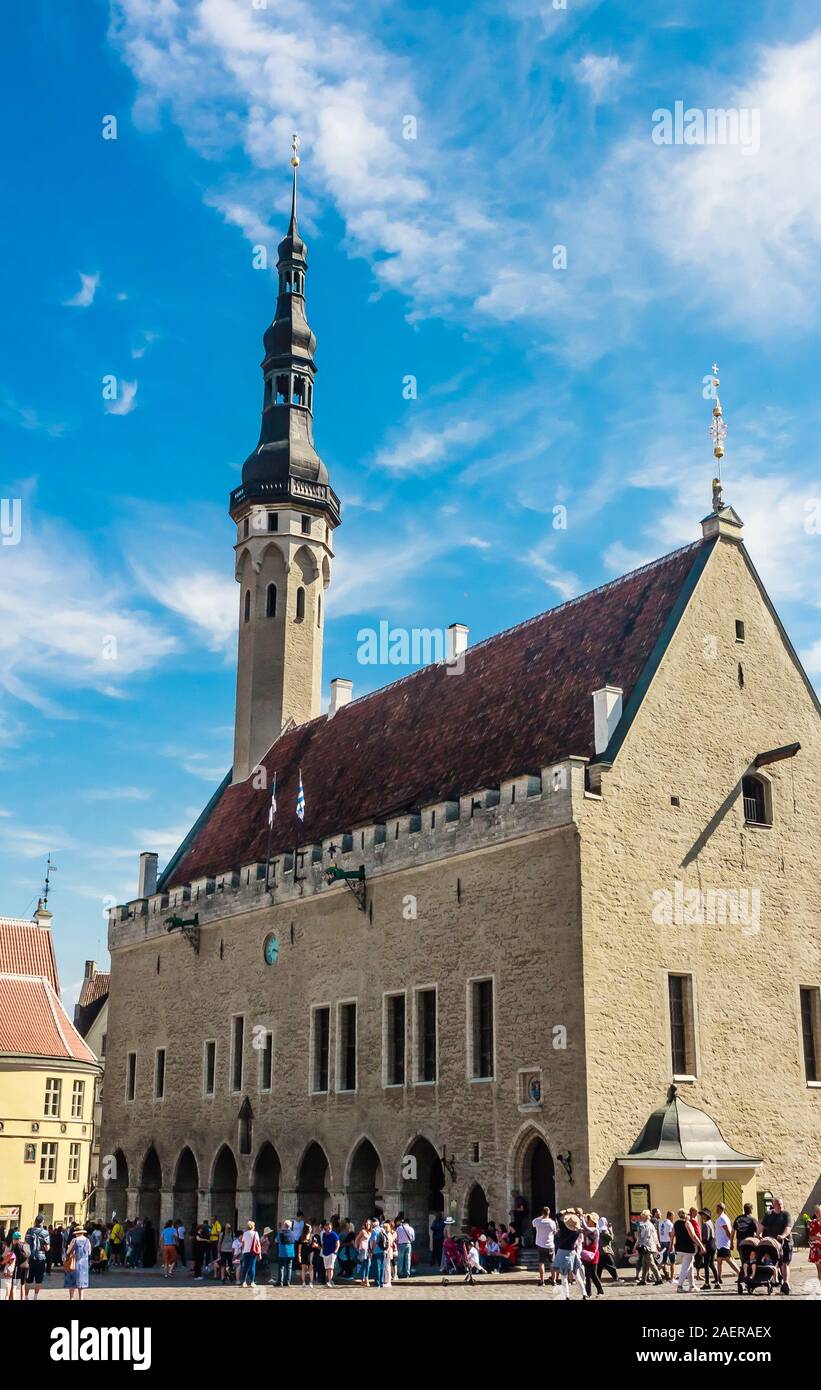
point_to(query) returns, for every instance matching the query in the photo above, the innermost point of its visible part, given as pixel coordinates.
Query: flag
(300, 799)
(272, 809)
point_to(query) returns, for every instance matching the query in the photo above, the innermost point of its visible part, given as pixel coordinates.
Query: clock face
(271, 950)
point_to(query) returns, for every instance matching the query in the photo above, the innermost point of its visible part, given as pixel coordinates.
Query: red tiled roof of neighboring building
(27, 949)
(522, 702)
(93, 994)
(33, 1022)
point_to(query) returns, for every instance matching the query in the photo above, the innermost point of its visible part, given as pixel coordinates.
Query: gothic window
(282, 389)
(299, 390)
(271, 601)
(247, 607)
(300, 605)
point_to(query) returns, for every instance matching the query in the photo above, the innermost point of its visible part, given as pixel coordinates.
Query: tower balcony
(291, 489)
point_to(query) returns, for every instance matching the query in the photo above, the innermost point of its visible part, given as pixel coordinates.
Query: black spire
(285, 456)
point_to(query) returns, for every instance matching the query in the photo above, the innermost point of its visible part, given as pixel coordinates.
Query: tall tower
(285, 513)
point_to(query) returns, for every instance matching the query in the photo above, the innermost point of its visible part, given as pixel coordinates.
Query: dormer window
(757, 801)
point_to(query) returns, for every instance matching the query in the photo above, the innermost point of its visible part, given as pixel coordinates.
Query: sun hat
(267, 1231)
(572, 1221)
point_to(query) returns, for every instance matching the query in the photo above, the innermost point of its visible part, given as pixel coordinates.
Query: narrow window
(247, 608)
(756, 801)
(246, 1127)
(78, 1092)
(273, 521)
(237, 1043)
(103, 1043)
(347, 1047)
(310, 396)
(682, 1025)
(319, 610)
(210, 1068)
(739, 630)
(74, 1162)
(282, 389)
(269, 390)
(321, 1049)
(482, 1028)
(271, 601)
(131, 1076)
(245, 526)
(52, 1102)
(306, 525)
(266, 1063)
(299, 390)
(159, 1074)
(426, 1035)
(395, 1039)
(48, 1162)
(810, 1009)
(300, 605)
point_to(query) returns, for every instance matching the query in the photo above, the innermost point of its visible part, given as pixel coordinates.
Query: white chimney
(341, 694)
(606, 714)
(148, 875)
(457, 641)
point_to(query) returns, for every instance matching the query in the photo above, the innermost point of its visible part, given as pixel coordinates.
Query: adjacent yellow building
(47, 1084)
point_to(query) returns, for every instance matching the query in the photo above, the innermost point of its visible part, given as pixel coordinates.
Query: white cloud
(115, 794)
(26, 418)
(601, 74)
(566, 584)
(811, 659)
(205, 598)
(126, 399)
(85, 294)
(422, 447)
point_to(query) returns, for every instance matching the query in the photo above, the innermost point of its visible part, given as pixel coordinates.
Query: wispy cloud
(601, 74)
(115, 794)
(126, 400)
(84, 297)
(26, 418)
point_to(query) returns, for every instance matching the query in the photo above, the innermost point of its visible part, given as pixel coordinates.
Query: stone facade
(543, 885)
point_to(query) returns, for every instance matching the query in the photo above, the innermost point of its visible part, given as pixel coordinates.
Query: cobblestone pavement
(150, 1284)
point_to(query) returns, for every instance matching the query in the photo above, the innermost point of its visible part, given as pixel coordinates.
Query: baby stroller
(759, 1264)
(453, 1259)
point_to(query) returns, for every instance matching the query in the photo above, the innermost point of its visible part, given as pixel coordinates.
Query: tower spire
(718, 432)
(294, 166)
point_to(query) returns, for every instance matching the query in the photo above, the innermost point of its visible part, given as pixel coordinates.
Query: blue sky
(433, 257)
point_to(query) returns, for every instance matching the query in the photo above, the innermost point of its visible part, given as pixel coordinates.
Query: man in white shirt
(545, 1228)
(298, 1227)
(405, 1236)
(668, 1254)
(724, 1240)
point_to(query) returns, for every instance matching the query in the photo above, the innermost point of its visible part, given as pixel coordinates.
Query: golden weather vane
(294, 150)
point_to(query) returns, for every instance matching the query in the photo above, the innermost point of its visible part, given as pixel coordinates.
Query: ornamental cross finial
(718, 433)
(294, 150)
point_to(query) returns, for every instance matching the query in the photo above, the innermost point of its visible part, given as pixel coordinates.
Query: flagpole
(270, 833)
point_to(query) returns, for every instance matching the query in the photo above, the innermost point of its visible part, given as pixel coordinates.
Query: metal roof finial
(718, 432)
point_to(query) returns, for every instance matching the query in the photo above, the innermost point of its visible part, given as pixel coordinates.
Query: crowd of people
(574, 1248)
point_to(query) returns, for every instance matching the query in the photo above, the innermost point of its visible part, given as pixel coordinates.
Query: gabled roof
(522, 702)
(91, 1001)
(33, 1022)
(678, 1133)
(27, 949)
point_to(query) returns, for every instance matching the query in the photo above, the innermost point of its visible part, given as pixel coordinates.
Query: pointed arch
(422, 1185)
(475, 1208)
(223, 1186)
(531, 1168)
(186, 1184)
(150, 1185)
(307, 564)
(313, 1182)
(266, 1178)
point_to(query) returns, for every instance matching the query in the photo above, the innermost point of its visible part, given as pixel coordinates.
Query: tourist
(8, 1264)
(297, 1226)
(606, 1258)
(648, 1249)
(251, 1252)
(590, 1252)
(265, 1247)
(202, 1245)
(518, 1216)
(405, 1236)
(330, 1246)
(56, 1246)
(226, 1254)
(180, 1244)
(286, 1251)
(379, 1246)
(38, 1243)
(668, 1246)
(778, 1223)
(390, 1253)
(745, 1225)
(473, 1261)
(814, 1238)
(724, 1241)
(437, 1240)
(708, 1237)
(567, 1261)
(304, 1253)
(688, 1244)
(510, 1243)
(117, 1239)
(76, 1262)
(168, 1246)
(362, 1244)
(545, 1228)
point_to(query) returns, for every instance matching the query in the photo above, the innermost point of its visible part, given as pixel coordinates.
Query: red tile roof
(93, 994)
(33, 1022)
(26, 949)
(522, 703)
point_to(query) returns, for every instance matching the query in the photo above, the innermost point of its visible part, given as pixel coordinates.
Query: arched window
(319, 610)
(271, 601)
(247, 609)
(300, 605)
(283, 387)
(758, 806)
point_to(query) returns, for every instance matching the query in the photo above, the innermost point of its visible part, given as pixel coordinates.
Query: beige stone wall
(695, 735)
(517, 921)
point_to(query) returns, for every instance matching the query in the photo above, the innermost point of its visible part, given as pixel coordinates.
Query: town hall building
(550, 923)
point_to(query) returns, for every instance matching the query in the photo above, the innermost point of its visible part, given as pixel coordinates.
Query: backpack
(39, 1241)
(381, 1241)
(23, 1253)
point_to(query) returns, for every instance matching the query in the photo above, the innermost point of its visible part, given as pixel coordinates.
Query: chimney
(147, 884)
(90, 970)
(341, 694)
(606, 714)
(42, 916)
(457, 641)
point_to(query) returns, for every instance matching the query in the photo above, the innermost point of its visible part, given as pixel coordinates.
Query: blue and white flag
(272, 809)
(300, 799)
